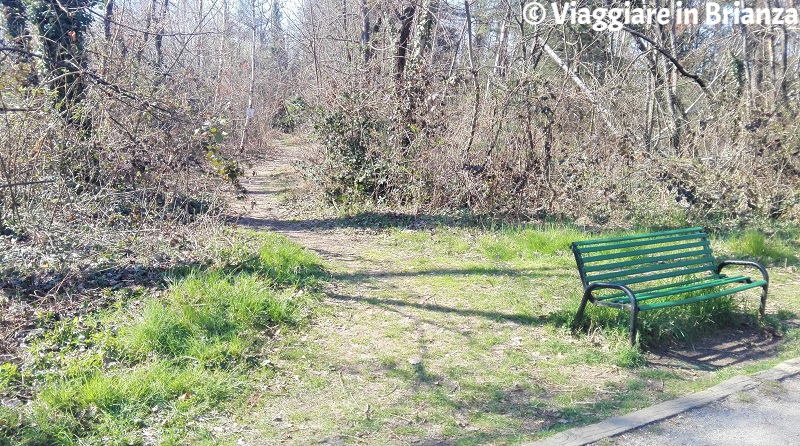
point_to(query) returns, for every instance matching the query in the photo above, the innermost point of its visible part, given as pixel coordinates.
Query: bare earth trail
(389, 358)
(344, 378)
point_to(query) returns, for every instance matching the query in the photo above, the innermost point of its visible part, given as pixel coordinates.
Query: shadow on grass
(540, 272)
(521, 319)
(372, 220)
(488, 412)
(747, 341)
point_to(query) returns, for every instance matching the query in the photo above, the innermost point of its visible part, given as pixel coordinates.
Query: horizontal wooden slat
(686, 289)
(725, 292)
(645, 260)
(659, 241)
(664, 286)
(642, 252)
(637, 236)
(652, 268)
(666, 275)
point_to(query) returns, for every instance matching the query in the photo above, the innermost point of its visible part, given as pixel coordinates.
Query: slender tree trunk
(251, 85)
(475, 83)
(406, 19)
(366, 51)
(159, 37)
(500, 55)
(107, 19)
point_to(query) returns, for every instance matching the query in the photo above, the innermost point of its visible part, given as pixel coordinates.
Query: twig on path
(390, 392)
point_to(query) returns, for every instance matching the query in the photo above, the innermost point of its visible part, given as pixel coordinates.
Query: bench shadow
(725, 348)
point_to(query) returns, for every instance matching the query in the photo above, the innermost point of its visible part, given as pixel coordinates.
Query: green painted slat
(686, 289)
(637, 236)
(664, 286)
(673, 303)
(641, 252)
(660, 241)
(666, 275)
(691, 288)
(649, 269)
(645, 260)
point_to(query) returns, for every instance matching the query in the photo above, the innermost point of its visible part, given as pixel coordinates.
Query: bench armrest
(756, 265)
(587, 293)
(587, 296)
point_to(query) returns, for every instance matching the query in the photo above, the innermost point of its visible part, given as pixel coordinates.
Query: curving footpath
(759, 409)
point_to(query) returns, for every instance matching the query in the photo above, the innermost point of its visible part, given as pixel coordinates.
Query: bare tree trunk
(315, 56)
(366, 51)
(348, 56)
(406, 19)
(159, 37)
(457, 51)
(221, 53)
(785, 65)
(475, 82)
(251, 85)
(500, 55)
(107, 18)
(748, 70)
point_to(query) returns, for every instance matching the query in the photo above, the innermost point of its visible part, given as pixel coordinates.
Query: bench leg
(581, 309)
(634, 317)
(763, 307)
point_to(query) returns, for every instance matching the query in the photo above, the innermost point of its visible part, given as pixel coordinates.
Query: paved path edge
(580, 436)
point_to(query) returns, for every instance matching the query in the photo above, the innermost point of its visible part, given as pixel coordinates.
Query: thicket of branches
(430, 104)
(465, 105)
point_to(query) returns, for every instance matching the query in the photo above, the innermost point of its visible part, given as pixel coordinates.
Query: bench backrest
(637, 260)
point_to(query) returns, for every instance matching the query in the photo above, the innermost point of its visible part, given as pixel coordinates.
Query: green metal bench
(658, 270)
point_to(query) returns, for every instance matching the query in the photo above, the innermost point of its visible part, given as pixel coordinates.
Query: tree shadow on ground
(370, 220)
(538, 272)
(485, 411)
(522, 319)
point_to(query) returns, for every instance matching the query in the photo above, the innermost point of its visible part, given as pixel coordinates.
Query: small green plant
(9, 375)
(211, 135)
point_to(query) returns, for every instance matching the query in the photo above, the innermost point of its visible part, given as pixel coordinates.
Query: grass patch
(756, 245)
(156, 365)
(210, 317)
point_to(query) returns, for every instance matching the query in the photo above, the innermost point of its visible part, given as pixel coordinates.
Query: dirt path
(323, 396)
(389, 358)
(272, 178)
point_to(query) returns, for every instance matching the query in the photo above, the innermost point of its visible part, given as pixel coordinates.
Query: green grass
(157, 364)
(210, 317)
